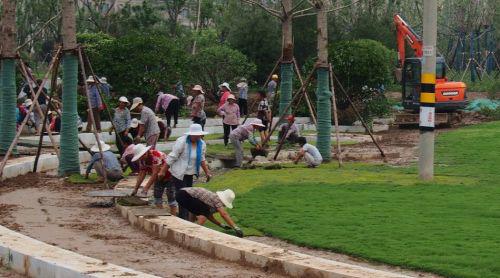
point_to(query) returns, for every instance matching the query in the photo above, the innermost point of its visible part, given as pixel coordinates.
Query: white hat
(136, 102)
(28, 102)
(257, 122)
(198, 88)
(123, 99)
(159, 93)
(227, 197)
(195, 129)
(104, 147)
(225, 84)
(139, 151)
(103, 80)
(134, 123)
(90, 79)
(231, 96)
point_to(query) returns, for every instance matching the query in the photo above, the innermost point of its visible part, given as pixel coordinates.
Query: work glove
(239, 232)
(225, 227)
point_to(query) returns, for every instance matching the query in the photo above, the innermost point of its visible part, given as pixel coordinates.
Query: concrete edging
(34, 258)
(249, 253)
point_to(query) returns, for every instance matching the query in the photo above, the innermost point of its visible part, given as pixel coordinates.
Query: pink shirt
(231, 113)
(223, 98)
(164, 100)
(129, 150)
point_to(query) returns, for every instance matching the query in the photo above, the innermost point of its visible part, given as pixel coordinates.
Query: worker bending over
(203, 203)
(242, 133)
(309, 152)
(289, 130)
(109, 166)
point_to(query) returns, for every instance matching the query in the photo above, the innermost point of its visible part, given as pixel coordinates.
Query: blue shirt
(110, 161)
(121, 119)
(95, 99)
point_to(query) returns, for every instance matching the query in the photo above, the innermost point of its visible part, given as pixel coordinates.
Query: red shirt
(223, 98)
(155, 158)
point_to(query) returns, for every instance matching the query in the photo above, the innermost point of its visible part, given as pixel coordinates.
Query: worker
(203, 203)
(309, 152)
(165, 130)
(134, 127)
(170, 104)
(153, 162)
(289, 130)
(264, 114)
(96, 104)
(231, 116)
(109, 166)
(186, 159)
(105, 87)
(121, 122)
(243, 96)
(148, 126)
(242, 133)
(225, 91)
(197, 105)
(127, 155)
(271, 88)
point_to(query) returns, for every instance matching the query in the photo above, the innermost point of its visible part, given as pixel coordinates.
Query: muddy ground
(50, 210)
(7, 273)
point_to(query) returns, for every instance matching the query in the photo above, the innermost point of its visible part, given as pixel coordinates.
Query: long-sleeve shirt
(148, 119)
(121, 119)
(110, 161)
(244, 132)
(179, 160)
(242, 90)
(95, 99)
(163, 101)
(198, 106)
(231, 113)
(294, 129)
(223, 98)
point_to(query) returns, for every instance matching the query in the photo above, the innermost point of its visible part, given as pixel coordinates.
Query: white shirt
(312, 150)
(178, 158)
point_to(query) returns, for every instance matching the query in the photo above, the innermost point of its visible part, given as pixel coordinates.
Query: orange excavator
(450, 95)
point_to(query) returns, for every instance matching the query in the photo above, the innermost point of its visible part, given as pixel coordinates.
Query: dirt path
(49, 210)
(7, 273)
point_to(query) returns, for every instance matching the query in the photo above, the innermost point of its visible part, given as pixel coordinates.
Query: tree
(213, 65)
(69, 161)
(8, 76)
(174, 9)
(142, 62)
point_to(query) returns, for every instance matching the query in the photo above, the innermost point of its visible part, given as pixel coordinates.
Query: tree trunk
(69, 162)
(323, 85)
(286, 85)
(8, 76)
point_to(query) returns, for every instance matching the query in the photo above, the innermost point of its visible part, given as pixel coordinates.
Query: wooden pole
(308, 100)
(16, 138)
(91, 116)
(40, 140)
(335, 117)
(359, 115)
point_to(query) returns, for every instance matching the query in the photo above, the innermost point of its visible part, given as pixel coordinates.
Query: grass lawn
(450, 226)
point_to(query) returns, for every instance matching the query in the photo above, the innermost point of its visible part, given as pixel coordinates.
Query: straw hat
(198, 88)
(28, 102)
(134, 123)
(104, 147)
(195, 129)
(257, 122)
(136, 102)
(123, 99)
(227, 197)
(139, 151)
(225, 84)
(90, 79)
(231, 96)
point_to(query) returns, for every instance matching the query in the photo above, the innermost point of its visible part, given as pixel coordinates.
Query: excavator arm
(405, 33)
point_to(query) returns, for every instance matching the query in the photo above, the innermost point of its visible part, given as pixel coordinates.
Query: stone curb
(23, 165)
(34, 258)
(249, 253)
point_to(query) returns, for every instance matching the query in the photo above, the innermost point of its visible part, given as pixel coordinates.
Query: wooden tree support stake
(335, 117)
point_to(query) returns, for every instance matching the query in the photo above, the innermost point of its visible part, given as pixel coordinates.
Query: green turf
(450, 226)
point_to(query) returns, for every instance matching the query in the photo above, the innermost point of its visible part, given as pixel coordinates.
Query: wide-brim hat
(104, 147)
(231, 96)
(139, 151)
(196, 130)
(225, 84)
(136, 103)
(90, 79)
(257, 122)
(227, 197)
(103, 80)
(28, 102)
(198, 88)
(243, 79)
(134, 123)
(123, 99)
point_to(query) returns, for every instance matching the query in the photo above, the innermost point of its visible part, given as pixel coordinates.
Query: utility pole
(427, 93)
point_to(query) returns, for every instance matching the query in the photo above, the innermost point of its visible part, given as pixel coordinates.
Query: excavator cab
(449, 95)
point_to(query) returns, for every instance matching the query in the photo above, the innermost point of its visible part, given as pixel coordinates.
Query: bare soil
(8, 273)
(48, 209)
